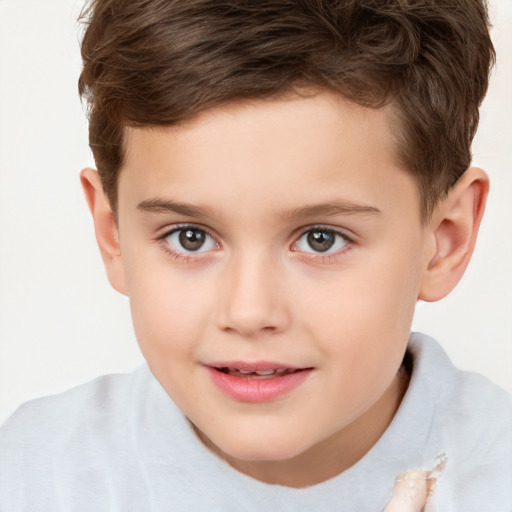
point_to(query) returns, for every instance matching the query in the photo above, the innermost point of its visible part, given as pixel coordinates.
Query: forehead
(295, 149)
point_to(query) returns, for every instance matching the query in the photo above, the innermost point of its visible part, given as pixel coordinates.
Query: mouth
(257, 374)
(256, 382)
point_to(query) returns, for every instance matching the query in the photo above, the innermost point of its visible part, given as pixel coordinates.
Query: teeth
(259, 373)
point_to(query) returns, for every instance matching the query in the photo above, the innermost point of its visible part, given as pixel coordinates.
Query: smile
(257, 374)
(256, 383)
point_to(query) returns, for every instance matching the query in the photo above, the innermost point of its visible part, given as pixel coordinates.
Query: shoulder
(477, 433)
(471, 425)
(464, 394)
(88, 403)
(465, 403)
(51, 442)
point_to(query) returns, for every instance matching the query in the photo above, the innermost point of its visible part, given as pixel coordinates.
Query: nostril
(250, 329)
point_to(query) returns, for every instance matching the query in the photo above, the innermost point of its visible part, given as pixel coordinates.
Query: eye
(321, 240)
(190, 240)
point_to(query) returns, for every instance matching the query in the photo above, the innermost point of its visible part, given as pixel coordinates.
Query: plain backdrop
(60, 322)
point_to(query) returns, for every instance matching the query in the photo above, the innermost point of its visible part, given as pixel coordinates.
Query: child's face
(274, 235)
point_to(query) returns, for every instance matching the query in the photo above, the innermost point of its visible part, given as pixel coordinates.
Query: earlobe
(454, 229)
(105, 226)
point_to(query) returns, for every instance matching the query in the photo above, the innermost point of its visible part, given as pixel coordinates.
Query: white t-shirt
(119, 443)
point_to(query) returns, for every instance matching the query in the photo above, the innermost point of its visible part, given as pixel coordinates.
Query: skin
(410, 492)
(257, 291)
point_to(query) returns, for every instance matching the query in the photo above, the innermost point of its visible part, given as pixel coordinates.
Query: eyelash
(318, 257)
(183, 257)
(329, 257)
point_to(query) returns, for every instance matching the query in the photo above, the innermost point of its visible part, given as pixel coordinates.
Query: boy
(279, 183)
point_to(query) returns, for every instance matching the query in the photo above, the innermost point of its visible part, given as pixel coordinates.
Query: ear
(453, 230)
(105, 226)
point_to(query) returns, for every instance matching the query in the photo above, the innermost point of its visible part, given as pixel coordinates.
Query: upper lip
(253, 366)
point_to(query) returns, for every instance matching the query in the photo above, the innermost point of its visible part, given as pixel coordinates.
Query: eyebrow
(330, 209)
(166, 205)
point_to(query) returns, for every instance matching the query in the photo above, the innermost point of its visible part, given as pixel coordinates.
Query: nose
(252, 298)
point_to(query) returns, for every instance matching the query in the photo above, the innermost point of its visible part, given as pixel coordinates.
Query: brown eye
(321, 240)
(192, 239)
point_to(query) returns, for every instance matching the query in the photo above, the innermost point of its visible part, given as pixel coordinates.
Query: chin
(261, 447)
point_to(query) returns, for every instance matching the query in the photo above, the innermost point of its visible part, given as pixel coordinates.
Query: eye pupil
(321, 241)
(192, 239)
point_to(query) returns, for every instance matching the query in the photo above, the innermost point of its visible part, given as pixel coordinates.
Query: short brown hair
(161, 62)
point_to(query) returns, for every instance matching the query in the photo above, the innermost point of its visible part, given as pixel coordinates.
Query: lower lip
(257, 390)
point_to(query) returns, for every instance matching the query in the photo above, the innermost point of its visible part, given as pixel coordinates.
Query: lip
(252, 366)
(256, 390)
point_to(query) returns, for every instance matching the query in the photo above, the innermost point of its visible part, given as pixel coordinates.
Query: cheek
(377, 296)
(362, 319)
(169, 310)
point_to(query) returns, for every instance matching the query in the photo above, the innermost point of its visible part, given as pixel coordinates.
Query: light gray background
(60, 322)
